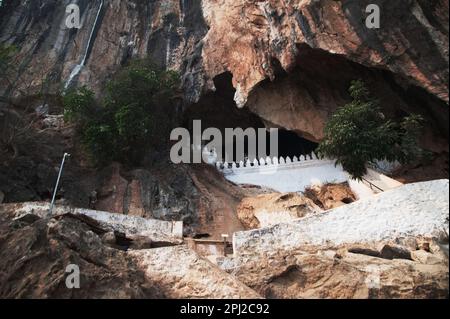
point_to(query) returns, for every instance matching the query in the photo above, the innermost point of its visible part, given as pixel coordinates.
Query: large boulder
(35, 253)
(181, 273)
(269, 209)
(34, 257)
(328, 273)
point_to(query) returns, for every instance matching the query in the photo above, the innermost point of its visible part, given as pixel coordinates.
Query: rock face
(35, 253)
(327, 273)
(198, 196)
(292, 62)
(331, 195)
(323, 45)
(266, 30)
(168, 31)
(165, 192)
(269, 209)
(170, 233)
(289, 65)
(406, 212)
(194, 277)
(34, 258)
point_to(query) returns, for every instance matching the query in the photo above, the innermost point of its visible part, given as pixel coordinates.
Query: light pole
(57, 182)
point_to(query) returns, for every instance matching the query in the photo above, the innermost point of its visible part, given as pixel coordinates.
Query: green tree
(359, 134)
(135, 116)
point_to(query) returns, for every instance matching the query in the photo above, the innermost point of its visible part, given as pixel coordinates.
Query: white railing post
(57, 182)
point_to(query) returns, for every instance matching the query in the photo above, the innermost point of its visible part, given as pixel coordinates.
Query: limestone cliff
(291, 61)
(243, 63)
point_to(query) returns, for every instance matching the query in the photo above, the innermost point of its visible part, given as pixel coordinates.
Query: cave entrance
(218, 110)
(291, 144)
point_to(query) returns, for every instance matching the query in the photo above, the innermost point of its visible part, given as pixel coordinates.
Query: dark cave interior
(218, 109)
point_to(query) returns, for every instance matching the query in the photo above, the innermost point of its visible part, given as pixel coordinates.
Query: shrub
(135, 115)
(7, 64)
(358, 134)
(78, 104)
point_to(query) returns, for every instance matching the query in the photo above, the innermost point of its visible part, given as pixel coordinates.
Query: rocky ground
(269, 209)
(394, 245)
(402, 252)
(35, 253)
(318, 272)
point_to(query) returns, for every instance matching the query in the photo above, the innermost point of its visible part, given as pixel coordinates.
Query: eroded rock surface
(34, 257)
(167, 31)
(412, 210)
(183, 274)
(401, 251)
(329, 273)
(269, 209)
(291, 63)
(130, 226)
(262, 31)
(34, 254)
(331, 195)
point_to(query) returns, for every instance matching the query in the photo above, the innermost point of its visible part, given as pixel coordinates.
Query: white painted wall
(360, 189)
(295, 175)
(285, 174)
(290, 178)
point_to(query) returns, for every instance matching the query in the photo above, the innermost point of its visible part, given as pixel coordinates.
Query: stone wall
(131, 226)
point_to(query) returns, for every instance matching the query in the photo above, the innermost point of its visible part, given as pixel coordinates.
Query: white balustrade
(267, 163)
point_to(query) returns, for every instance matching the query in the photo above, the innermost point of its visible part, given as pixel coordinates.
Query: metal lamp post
(57, 182)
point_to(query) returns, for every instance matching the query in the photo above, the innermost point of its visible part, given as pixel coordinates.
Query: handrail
(211, 241)
(372, 185)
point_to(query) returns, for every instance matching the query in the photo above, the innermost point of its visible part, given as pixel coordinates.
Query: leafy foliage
(78, 104)
(135, 115)
(7, 53)
(359, 134)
